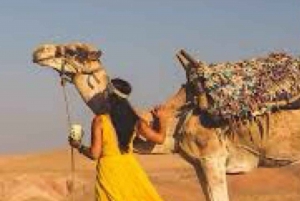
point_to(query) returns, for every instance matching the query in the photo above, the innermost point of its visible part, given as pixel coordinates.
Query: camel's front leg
(208, 153)
(209, 156)
(211, 171)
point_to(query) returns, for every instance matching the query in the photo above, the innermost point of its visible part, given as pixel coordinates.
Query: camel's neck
(174, 106)
(91, 88)
(177, 101)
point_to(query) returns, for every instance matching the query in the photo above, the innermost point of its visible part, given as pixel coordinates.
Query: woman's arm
(154, 135)
(94, 151)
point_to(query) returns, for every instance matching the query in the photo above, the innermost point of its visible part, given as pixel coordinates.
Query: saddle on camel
(245, 89)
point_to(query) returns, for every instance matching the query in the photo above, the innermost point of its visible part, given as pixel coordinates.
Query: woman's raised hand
(160, 112)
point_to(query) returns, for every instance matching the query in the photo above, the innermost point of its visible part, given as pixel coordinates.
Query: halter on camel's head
(80, 64)
(71, 59)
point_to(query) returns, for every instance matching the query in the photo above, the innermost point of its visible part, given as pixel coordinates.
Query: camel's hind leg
(211, 171)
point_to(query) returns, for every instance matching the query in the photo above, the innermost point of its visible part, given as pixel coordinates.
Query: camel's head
(195, 79)
(68, 59)
(80, 64)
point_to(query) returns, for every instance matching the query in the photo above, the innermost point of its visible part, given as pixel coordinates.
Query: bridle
(79, 69)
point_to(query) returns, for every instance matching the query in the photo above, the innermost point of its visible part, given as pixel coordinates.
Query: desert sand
(46, 177)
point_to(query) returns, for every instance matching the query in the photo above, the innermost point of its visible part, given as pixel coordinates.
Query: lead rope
(70, 184)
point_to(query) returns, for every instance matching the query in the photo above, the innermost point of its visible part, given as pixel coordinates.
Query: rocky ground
(47, 177)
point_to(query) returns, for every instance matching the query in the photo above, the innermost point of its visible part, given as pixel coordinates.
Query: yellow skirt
(121, 178)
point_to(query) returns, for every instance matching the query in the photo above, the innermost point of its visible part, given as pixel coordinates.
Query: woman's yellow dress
(119, 176)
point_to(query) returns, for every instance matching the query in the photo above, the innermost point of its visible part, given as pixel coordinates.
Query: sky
(139, 40)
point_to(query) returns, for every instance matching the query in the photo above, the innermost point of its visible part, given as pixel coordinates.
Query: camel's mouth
(43, 54)
(39, 60)
(47, 61)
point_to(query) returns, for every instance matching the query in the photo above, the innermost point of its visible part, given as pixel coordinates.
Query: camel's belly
(275, 141)
(276, 153)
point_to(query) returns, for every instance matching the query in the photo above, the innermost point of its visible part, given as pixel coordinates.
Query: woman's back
(120, 177)
(110, 145)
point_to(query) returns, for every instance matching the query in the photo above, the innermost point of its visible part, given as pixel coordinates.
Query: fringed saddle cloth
(251, 87)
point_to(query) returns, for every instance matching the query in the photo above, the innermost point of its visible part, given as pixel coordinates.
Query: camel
(270, 140)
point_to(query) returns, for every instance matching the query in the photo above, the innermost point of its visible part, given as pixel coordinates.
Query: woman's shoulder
(98, 119)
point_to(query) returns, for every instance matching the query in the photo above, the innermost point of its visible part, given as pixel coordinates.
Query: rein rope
(64, 80)
(79, 69)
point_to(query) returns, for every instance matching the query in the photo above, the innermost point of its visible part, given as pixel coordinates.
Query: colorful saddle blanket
(251, 87)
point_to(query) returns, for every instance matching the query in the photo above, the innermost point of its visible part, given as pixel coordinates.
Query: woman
(119, 176)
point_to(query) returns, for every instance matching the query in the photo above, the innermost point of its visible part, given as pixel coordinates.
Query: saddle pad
(251, 87)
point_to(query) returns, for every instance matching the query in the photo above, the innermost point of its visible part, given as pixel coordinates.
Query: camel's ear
(186, 60)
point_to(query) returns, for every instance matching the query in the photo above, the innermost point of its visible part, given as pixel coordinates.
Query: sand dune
(46, 177)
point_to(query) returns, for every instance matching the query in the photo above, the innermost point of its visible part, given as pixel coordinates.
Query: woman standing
(119, 176)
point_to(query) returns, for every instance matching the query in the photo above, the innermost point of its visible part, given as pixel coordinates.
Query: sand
(46, 177)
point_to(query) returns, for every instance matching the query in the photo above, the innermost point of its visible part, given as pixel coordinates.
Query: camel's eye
(58, 53)
(82, 55)
(70, 52)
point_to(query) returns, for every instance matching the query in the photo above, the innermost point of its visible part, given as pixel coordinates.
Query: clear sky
(139, 39)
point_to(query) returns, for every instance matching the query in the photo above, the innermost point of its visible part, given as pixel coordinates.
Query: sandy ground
(46, 177)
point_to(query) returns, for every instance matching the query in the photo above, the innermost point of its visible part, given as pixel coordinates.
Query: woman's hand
(160, 112)
(74, 143)
(156, 135)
